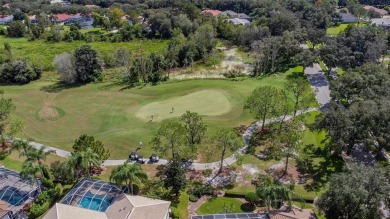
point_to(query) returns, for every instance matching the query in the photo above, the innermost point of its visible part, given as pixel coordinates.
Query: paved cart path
(197, 166)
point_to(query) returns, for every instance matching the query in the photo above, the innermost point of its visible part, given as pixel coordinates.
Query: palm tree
(84, 160)
(38, 155)
(29, 170)
(129, 174)
(68, 169)
(272, 192)
(21, 145)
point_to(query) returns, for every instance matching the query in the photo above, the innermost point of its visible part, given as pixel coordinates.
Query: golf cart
(141, 159)
(154, 158)
(133, 156)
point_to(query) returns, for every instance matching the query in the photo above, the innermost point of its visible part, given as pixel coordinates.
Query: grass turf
(107, 112)
(336, 30)
(15, 162)
(42, 53)
(219, 205)
(205, 102)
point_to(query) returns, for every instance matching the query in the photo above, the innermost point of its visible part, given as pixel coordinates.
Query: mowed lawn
(102, 110)
(220, 205)
(341, 28)
(336, 30)
(42, 53)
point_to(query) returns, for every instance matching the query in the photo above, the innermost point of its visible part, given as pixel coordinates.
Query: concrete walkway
(197, 166)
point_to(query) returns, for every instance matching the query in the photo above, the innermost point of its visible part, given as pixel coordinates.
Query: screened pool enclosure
(15, 191)
(92, 194)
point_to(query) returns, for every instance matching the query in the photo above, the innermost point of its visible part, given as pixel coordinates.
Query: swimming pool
(95, 202)
(13, 196)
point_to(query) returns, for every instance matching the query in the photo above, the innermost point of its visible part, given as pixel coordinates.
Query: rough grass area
(220, 205)
(15, 162)
(205, 102)
(42, 53)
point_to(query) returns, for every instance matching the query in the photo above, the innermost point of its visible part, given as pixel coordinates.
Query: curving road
(197, 166)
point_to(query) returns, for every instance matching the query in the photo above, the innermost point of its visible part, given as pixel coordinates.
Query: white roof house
(384, 21)
(238, 21)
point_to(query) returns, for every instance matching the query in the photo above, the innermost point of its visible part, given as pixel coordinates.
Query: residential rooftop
(378, 10)
(95, 199)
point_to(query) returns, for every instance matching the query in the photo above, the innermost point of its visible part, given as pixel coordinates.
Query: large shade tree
(169, 137)
(358, 192)
(195, 128)
(226, 140)
(263, 103)
(173, 175)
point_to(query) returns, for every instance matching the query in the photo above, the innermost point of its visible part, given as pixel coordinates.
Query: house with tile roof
(212, 12)
(294, 213)
(382, 12)
(95, 199)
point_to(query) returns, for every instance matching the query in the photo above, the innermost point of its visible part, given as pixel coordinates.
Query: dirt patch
(292, 173)
(251, 169)
(49, 112)
(232, 62)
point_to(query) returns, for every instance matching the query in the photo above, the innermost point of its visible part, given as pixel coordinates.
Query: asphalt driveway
(319, 84)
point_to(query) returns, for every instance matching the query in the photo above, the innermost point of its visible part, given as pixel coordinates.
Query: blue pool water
(95, 202)
(12, 196)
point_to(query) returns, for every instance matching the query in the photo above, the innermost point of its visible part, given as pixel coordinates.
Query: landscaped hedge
(43, 202)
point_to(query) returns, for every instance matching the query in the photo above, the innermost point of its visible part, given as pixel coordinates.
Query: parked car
(154, 158)
(133, 156)
(141, 159)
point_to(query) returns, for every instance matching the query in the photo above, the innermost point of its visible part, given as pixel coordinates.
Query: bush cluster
(44, 200)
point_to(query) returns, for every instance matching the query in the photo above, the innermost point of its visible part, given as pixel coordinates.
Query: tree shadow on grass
(247, 207)
(321, 171)
(59, 86)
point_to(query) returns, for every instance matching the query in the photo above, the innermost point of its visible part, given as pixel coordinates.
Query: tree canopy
(359, 192)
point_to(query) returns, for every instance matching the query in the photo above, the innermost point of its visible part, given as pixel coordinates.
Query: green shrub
(193, 198)
(37, 210)
(251, 197)
(3, 31)
(47, 183)
(174, 213)
(207, 172)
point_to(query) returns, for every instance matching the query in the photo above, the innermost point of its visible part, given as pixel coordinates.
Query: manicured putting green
(205, 102)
